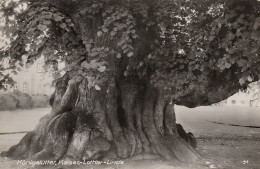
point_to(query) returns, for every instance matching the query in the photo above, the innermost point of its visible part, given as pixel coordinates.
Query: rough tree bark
(131, 118)
(86, 124)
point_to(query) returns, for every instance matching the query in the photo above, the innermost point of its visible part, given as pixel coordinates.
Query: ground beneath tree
(221, 146)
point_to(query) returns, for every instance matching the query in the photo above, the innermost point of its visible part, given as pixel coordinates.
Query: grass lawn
(221, 146)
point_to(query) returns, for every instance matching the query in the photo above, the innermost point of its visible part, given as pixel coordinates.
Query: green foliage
(19, 100)
(205, 40)
(8, 102)
(40, 101)
(24, 100)
(180, 45)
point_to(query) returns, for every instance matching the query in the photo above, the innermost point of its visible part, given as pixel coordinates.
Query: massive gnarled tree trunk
(128, 120)
(130, 115)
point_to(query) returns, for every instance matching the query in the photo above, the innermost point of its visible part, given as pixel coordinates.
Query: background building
(244, 99)
(33, 80)
(248, 98)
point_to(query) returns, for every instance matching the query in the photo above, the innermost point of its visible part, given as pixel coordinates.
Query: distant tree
(127, 63)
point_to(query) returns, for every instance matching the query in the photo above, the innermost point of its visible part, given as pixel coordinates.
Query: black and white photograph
(129, 84)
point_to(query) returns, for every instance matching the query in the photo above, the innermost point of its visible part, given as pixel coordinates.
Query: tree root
(124, 124)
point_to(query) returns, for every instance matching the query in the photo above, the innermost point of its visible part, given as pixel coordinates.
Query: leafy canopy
(180, 45)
